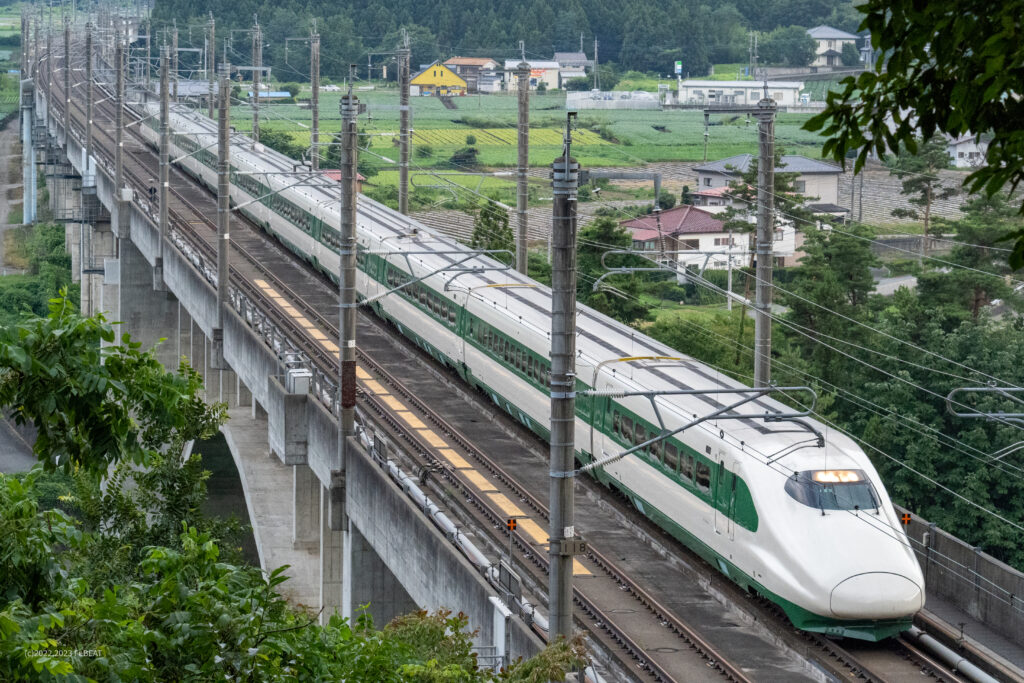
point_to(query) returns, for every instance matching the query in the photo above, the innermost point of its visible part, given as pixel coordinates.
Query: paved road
(889, 285)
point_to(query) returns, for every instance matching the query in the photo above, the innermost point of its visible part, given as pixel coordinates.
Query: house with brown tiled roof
(700, 238)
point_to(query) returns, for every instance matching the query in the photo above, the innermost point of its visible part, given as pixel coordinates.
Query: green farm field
(603, 138)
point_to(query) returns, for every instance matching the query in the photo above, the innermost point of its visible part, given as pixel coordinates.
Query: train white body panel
(851, 566)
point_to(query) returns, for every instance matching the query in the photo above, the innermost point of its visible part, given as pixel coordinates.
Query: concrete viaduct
(387, 543)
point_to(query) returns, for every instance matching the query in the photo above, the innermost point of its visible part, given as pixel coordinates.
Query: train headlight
(836, 476)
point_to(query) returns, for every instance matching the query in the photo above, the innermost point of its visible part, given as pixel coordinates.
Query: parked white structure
(785, 93)
(545, 72)
(830, 45)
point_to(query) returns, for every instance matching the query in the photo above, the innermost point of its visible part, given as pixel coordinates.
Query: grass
(602, 138)
(728, 72)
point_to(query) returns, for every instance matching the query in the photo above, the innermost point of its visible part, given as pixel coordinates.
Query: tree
(465, 157)
(791, 46)
(133, 581)
(282, 142)
(491, 229)
(618, 296)
(577, 84)
(93, 406)
(919, 171)
(666, 201)
(293, 90)
(970, 85)
(686, 197)
(850, 55)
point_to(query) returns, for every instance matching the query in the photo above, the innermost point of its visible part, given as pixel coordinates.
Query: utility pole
(597, 79)
(765, 115)
(522, 192)
(119, 115)
(145, 63)
(753, 54)
(404, 57)
(211, 55)
(349, 106)
(49, 65)
(67, 81)
(223, 214)
(314, 81)
(174, 60)
(88, 97)
(563, 542)
(165, 166)
(257, 67)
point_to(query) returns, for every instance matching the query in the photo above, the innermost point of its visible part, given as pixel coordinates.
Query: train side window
(686, 467)
(657, 448)
(703, 476)
(452, 313)
(616, 422)
(639, 433)
(671, 457)
(627, 429)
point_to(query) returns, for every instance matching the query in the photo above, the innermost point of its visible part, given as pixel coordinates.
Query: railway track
(519, 470)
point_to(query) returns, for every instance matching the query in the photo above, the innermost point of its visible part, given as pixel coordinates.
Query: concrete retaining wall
(977, 583)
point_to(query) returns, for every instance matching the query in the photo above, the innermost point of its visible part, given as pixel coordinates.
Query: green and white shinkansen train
(803, 522)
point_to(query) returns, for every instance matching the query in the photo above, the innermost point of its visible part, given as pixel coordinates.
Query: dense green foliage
(109, 571)
(617, 295)
(40, 250)
(491, 230)
(791, 46)
(93, 405)
(647, 36)
(970, 85)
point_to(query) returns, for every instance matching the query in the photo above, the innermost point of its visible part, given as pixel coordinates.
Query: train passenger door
(725, 499)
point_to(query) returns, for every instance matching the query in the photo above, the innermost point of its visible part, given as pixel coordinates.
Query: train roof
(600, 339)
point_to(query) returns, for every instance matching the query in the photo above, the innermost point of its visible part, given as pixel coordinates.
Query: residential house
(691, 91)
(469, 69)
(686, 228)
(545, 72)
(568, 73)
(817, 180)
(573, 60)
(490, 80)
(437, 79)
(967, 151)
(830, 45)
(334, 174)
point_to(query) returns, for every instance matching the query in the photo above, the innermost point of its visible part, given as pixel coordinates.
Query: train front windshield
(833, 490)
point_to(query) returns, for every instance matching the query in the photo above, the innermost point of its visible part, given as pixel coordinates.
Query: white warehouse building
(785, 93)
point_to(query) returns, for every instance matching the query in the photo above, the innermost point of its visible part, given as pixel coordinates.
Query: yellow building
(437, 79)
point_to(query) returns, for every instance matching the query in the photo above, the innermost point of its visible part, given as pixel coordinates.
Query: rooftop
(534, 64)
(696, 83)
(470, 61)
(829, 33)
(791, 163)
(679, 220)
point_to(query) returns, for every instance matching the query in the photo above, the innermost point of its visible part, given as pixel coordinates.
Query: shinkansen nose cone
(876, 595)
